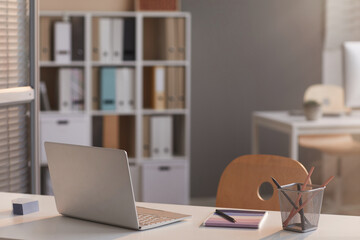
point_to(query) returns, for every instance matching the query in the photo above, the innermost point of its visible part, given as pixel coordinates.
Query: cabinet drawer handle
(63, 122)
(164, 168)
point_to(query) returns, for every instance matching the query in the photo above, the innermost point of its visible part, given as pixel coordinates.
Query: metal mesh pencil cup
(300, 210)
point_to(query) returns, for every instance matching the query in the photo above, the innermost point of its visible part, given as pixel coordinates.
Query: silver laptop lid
(92, 183)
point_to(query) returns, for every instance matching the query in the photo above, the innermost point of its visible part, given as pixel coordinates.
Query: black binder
(97, 129)
(77, 41)
(129, 39)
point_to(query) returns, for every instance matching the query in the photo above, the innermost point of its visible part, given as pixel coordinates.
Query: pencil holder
(300, 210)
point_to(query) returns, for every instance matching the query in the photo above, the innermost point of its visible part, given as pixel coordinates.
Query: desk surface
(299, 121)
(48, 224)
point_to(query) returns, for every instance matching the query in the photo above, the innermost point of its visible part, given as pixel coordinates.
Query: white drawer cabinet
(165, 182)
(72, 129)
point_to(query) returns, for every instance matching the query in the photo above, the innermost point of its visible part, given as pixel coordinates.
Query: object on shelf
(161, 136)
(164, 38)
(157, 5)
(78, 40)
(62, 42)
(44, 97)
(129, 39)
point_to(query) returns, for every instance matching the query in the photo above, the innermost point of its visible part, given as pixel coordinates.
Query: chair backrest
(240, 182)
(331, 97)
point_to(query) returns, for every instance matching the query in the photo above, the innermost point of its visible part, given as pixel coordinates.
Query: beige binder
(180, 88)
(146, 136)
(95, 39)
(170, 39)
(111, 128)
(170, 87)
(45, 38)
(95, 89)
(180, 38)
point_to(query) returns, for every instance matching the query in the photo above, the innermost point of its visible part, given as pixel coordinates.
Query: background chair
(331, 98)
(241, 180)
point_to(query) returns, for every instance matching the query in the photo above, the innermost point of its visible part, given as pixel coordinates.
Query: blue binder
(107, 88)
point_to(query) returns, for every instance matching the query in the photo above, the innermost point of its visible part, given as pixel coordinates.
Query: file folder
(77, 89)
(95, 38)
(97, 131)
(159, 101)
(105, 39)
(170, 87)
(78, 43)
(146, 136)
(95, 89)
(170, 39)
(108, 78)
(129, 39)
(117, 39)
(45, 38)
(161, 136)
(180, 38)
(111, 131)
(62, 42)
(65, 89)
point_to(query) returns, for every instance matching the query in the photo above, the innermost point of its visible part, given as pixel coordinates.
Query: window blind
(14, 117)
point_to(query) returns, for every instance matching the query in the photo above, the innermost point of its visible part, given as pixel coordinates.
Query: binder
(111, 131)
(125, 80)
(64, 89)
(148, 87)
(117, 39)
(44, 97)
(170, 39)
(180, 38)
(127, 135)
(161, 136)
(95, 38)
(62, 42)
(78, 41)
(97, 131)
(129, 76)
(159, 101)
(146, 136)
(107, 88)
(120, 90)
(180, 87)
(105, 39)
(129, 39)
(45, 38)
(77, 89)
(95, 89)
(170, 87)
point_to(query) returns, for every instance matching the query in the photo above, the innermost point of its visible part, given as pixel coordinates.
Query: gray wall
(247, 55)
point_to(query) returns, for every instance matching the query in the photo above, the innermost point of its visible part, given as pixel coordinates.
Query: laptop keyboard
(149, 219)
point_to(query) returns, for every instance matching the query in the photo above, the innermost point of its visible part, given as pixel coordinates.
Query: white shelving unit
(146, 172)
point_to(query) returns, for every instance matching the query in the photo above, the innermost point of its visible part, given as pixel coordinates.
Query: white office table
(48, 224)
(295, 126)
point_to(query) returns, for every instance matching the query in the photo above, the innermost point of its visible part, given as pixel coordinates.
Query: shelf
(104, 112)
(163, 160)
(165, 111)
(114, 64)
(149, 63)
(55, 64)
(73, 113)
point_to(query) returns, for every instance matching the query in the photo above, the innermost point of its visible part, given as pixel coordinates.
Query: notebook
(244, 219)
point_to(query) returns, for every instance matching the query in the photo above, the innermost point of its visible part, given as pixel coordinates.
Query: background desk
(297, 125)
(48, 224)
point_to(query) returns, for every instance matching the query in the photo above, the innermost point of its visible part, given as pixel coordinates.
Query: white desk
(48, 224)
(297, 125)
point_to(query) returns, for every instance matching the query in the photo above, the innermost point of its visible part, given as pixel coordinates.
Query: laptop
(94, 184)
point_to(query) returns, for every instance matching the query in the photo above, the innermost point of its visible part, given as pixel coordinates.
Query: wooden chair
(331, 98)
(339, 145)
(240, 182)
